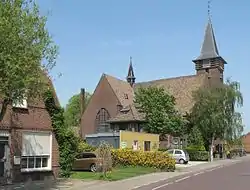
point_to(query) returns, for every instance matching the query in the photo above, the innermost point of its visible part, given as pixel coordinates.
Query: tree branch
(3, 108)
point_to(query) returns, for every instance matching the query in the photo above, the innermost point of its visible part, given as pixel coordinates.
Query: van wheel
(93, 168)
(181, 161)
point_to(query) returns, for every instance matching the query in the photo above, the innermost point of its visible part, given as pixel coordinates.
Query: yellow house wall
(128, 137)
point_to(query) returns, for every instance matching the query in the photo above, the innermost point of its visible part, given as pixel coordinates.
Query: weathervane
(208, 8)
(130, 59)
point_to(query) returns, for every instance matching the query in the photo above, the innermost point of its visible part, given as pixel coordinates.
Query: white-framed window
(36, 151)
(22, 104)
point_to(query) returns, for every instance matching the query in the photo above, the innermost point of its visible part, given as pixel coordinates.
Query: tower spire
(130, 76)
(209, 59)
(209, 47)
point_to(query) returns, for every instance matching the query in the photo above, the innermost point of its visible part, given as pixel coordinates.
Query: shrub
(156, 159)
(195, 155)
(84, 147)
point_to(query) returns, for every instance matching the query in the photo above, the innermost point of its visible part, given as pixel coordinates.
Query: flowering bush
(156, 159)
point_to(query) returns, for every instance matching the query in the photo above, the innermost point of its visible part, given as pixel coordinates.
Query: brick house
(28, 148)
(246, 142)
(111, 106)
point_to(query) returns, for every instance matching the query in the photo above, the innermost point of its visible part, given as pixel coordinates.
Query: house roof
(180, 87)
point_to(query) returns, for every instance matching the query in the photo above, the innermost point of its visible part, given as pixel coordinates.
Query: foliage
(72, 112)
(197, 155)
(234, 143)
(214, 112)
(159, 109)
(162, 149)
(26, 51)
(84, 147)
(128, 157)
(194, 136)
(104, 155)
(66, 138)
(196, 148)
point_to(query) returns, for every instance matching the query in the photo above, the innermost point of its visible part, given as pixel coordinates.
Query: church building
(111, 107)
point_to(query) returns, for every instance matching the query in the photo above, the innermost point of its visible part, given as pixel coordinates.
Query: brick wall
(246, 142)
(103, 97)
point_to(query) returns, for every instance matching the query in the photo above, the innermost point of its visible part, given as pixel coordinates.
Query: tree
(214, 112)
(72, 112)
(159, 109)
(27, 52)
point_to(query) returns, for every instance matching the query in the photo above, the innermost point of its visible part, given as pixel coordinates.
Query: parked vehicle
(181, 156)
(86, 161)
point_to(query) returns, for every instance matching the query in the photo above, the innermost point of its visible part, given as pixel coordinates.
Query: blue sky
(162, 36)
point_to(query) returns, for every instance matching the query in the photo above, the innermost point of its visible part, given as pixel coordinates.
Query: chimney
(82, 107)
(82, 100)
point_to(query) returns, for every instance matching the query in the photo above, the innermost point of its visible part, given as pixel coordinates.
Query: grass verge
(117, 173)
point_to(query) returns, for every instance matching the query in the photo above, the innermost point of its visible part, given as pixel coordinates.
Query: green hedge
(154, 159)
(198, 155)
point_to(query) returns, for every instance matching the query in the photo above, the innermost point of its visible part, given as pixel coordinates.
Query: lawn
(118, 173)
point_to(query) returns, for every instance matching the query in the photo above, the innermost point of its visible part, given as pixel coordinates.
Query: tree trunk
(211, 150)
(3, 109)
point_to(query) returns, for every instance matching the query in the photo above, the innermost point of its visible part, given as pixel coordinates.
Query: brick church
(111, 107)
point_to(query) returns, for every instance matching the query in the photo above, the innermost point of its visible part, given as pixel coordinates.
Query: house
(126, 139)
(111, 107)
(28, 148)
(246, 142)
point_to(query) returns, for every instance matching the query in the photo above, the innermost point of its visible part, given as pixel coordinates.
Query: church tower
(210, 61)
(131, 76)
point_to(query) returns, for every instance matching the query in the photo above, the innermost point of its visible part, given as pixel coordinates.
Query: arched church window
(101, 121)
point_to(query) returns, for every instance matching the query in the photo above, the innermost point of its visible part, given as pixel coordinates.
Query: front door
(4, 153)
(2, 160)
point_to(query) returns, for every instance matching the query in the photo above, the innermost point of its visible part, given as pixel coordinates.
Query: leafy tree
(26, 51)
(214, 112)
(72, 112)
(159, 109)
(194, 136)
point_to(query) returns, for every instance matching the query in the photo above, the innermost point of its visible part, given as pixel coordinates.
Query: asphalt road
(236, 176)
